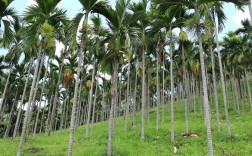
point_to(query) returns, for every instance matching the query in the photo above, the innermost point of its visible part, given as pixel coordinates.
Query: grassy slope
(156, 143)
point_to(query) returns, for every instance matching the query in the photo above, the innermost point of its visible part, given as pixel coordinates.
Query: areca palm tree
(141, 8)
(219, 16)
(12, 56)
(195, 23)
(239, 53)
(183, 39)
(120, 24)
(42, 21)
(164, 20)
(87, 7)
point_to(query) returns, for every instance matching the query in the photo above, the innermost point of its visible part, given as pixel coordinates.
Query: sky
(234, 16)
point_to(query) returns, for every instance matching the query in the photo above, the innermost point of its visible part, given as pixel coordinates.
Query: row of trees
(104, 66)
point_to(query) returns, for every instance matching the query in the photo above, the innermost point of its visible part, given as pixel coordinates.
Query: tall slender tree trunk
(250, 10)
(172, 93)
(163, 91)
(244, 95)
(143, 94)
(49, 113)
(62, 114)
(135, 94)
(215, 89)
(2, 112)
(76, 88)
(90, 99)
(178, 95)
(78, 105)
(158, 95)
(120, 96)
(148, 97)
(236, 93)
(232, 87)
(37, 117)
(40, 100)
(127, 99)
(55, 99)
(205, 96)
(25, 123)
(42, 117)
(103, 102)
(95, 97)
(113, 92)
(34, 96)
(248, 88)
(5, 88)
(185, 87)
(222, 82)
(194, 95)
(7, 131)
(66, 114)
(22, 100)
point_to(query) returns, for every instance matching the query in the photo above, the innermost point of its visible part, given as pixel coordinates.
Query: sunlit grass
(155, 143)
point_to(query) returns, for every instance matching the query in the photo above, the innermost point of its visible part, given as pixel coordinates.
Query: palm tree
(172, 88)
(194, 23)
(218, 15)
(120, 24)
(22, 100)
(183, 39)
(42, 19)
(12, 56)
(14, 87)
(160, 48)
(61, 36)
(142, 10)
(87, 7)
(128, 56)
(239, 53)
(90, 99)
(164, 20)
(52, 118)
(40, 100)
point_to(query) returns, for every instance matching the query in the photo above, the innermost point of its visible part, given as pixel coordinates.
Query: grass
(156, 142)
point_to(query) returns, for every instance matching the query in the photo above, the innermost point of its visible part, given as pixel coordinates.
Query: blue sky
(73, 7)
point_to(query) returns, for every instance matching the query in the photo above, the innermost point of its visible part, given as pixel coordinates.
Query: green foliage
(183, 36)
(47, 32)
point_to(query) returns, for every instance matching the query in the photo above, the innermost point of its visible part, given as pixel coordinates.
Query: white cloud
(30, 2)
(240, 15)
(176, 31)
(59, 47)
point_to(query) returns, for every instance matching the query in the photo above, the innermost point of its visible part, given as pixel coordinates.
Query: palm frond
(73, 28)
(8, 34)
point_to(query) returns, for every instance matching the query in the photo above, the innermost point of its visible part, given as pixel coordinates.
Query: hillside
(156, 143)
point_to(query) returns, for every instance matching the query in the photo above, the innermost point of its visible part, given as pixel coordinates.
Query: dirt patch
(194, 135)
(34, 149)
(222, 117)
